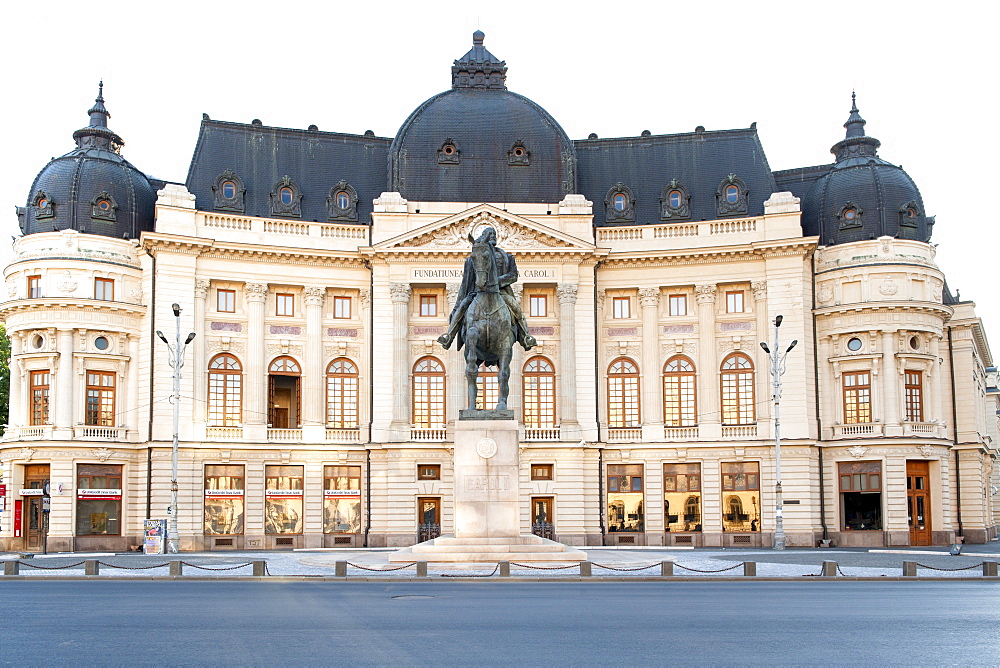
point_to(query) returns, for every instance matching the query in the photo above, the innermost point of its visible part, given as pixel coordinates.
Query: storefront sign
(110, 494)
(223, 492)
(342, 492)
(272, 493)
(154, 539)
(18, 504)
(32, 492)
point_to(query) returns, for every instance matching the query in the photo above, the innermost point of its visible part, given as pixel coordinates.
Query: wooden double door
(918, 502)
(35, 519)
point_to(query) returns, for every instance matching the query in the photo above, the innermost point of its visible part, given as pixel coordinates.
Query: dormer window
(850, 216)
(449, 154)
(518, 155)
(909, 214)
(674, 202)
(342, 199)
(228, 193)
(732, 194)
(43, 206)
(342, 204)
(286, 198)
(619, 204)
(732, 197)
(228, 189)
(103, 207)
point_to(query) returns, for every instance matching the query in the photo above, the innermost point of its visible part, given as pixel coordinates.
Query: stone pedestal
(486, 477)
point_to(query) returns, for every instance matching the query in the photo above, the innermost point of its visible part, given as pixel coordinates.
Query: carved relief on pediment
(510, 235)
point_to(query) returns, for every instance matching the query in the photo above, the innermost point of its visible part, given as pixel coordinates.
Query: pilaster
(64, 382)
(566, 293)
(314, 371)
(400, 295)
(709, 415)
(652, 403)
(255, 376)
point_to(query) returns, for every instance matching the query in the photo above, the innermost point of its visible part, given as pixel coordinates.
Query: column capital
(256, 292)
(649, 297)
(201, 288)
(759, 290)
(452, 290)
(518, 290)
(566, 292)
(314, 296)
(365, 297)
(704, 293)
(399, 292)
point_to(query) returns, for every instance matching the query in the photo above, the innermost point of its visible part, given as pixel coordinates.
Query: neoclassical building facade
(316, 270)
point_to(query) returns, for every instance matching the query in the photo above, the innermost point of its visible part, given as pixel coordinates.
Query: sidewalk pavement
(606, 561)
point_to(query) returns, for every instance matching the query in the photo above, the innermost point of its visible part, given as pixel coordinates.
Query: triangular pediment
(514, 234)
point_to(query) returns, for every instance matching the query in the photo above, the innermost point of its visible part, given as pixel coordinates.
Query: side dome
(863, 196)
(478, 142)
(92, 188)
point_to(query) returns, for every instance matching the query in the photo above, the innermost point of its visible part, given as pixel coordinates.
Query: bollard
(666, 569)
(421, 569)
(340, 569)
(260, 568)
(176, 568)
(909, 569)
(749, 569)
(91, 567)
(11, 567)
(505, 569)
(989, 569)
(585, 569)
(829, 569)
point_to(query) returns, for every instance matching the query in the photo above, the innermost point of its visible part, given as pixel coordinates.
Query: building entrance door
(35, 476)
(428, 518)
(542, 517)
(918, 502)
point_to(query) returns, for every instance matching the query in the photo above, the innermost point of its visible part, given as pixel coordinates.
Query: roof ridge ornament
(96, 134)
(479, 68)
(855, 143)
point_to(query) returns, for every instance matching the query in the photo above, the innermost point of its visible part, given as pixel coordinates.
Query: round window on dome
(343, 200)
(286, 195)
(519, 152)
(42, 203)
(101, 343)
(229, 189)
(732, 194)
(849, 214)
(674, 199)
(37, 342)
(103, 205)
(449, 149)
(854, 344)
(619, 202)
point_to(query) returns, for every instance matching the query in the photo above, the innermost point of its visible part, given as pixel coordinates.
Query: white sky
(924, 73)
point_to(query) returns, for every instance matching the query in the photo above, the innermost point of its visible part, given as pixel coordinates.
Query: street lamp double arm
(777, 368)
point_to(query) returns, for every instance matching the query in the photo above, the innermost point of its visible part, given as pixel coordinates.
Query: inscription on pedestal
(478, 483)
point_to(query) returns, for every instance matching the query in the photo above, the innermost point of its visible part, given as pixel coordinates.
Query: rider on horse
(507, 273)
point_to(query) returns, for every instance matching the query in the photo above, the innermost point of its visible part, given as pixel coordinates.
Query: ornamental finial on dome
(855, 144)
(97, 134)
(98, 113)
(855, 124)
(479, 68)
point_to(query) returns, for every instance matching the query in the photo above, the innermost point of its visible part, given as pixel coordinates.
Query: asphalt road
(499, 623)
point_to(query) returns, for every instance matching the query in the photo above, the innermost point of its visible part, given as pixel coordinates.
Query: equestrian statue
(487, 318)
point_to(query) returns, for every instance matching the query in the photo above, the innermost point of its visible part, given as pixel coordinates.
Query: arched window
(539, 391)
(679, 408)
(488, 390)
(341, 394)
(737, 390)
(225, 391)
(284, 400)
(428, 393)
(623, 394)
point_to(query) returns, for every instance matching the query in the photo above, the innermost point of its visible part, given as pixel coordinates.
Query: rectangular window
(857, 397)
(741, 496)
(678, 305)
(625, 498)
(538, 306)
(620, 307)
(734, 302)
(98, 500)
(285, 304)
(682, 497)
(861, 495)
(488, 389)
(39, 397)
(100, 410)
(104, 289)
(341, 499)
(225, 301)
(282, 499)
(914, 397)
(34, 287)
(428, 471)
(223, 499)
(541, 471)
(342, 307)
(428, 306)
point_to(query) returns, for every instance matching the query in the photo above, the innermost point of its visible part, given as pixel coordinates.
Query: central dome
(478, 142)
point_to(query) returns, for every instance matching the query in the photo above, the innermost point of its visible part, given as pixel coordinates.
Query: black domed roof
(863, 196)
(480, 142)
(92, 188)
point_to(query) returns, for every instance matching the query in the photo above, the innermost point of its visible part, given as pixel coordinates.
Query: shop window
(626, 506)
(428, 306)
(740, 496)
(487, 388)
(538, 306)
(734, 302)
(678, 305)
(861, 495)
(682, 497)
(620, 308)
(104, 289)
(538, 384)
(282, 499)
(623, 394)
(857, 397)
(679, 408)
(341, 499)
(428, 394)
(98, 500)
(342, 307)
(428, 471)
(224, 499)
(541, 471)
(737, 391)
(34, 287)
(100, 409)
(284, 304)
(225, 393)
(342, 394)
(39, 397)
(225, 301)
(914, 396)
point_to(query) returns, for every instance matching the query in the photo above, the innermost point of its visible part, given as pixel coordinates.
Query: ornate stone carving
(649, 296)
(858, 451)
(509, 234)
(824, 294)
(225, 345)
(256, 292)
(66, 285)
(365, 297)
(399, 293)
(619, 204)
(601, 296)
(452, 291)
(101, 453)
(888, 287)
(729, 202)
(518, 290)
(11, 289)
(927, 450)
(314, 296)
(759, 290)
(566, 293)
(201, 288)
(228, 192)
(704, 293)
(286, 198)
(24, 453)
(342, 203)
(675, 202)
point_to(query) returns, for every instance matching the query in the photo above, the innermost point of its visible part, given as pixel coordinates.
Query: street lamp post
(176, 362)
(777, 369)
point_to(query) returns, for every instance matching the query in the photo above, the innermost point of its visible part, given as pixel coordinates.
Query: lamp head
(177, 310)
(764, 346)
(777, 320)
(161, 337)
(792, 345)
(191, 336)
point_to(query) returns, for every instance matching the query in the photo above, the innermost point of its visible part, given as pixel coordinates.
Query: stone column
(454, 366)
(64, 381)
(934, 399)
(255, 373)
(889, 411)
(709, 417)
(314, 369)
(762, 360)
(651, 383)
(365, 367)
(199, 365)
(566, 401)
(515, 401)
(400, 294)
(132, 389)
(19, 389)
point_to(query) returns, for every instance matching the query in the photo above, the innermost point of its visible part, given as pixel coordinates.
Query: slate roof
(261, 156)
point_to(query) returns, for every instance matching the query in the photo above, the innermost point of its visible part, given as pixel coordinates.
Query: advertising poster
(154, 539)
